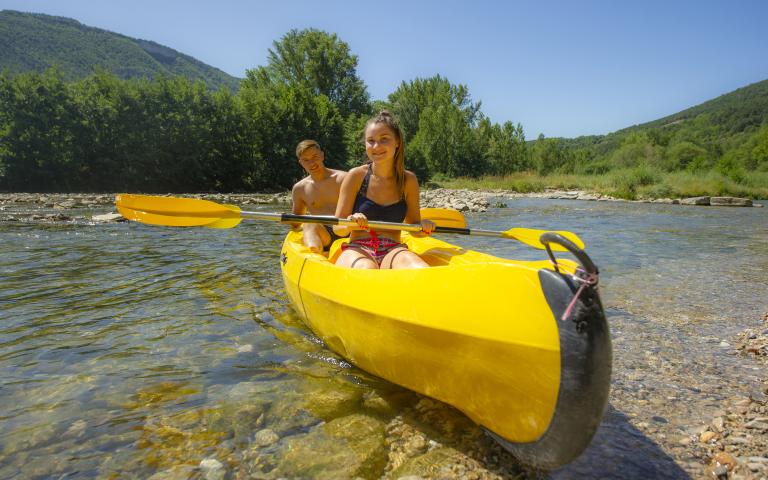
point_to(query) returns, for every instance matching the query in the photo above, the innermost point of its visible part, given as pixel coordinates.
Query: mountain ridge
(36, 42)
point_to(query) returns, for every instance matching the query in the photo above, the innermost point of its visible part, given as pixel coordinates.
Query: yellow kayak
(522, 348)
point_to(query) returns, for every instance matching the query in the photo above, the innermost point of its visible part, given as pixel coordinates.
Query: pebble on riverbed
(754, 341)
(735, 443)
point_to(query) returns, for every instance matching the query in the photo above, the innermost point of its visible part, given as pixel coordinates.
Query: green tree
(759, 153)
(686, 155)
(411, 98)
(636, 149)
(281, 115)
(437, 119)
(444, 144)
(233, 150)
(319, 62)
(36, 147)
(504, 146)
(549, 155)
(102, 136)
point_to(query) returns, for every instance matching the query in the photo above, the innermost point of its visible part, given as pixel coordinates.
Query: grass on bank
(632, 184)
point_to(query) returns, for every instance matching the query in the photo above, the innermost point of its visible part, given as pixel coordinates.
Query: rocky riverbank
(96, 207)
(735, 441)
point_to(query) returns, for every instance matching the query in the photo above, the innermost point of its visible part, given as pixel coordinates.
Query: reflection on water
(127, 350)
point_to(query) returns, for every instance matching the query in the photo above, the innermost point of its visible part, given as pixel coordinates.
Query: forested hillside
(728, 134)
(35, 42)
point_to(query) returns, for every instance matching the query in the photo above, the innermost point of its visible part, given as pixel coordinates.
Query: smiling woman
(382, 190)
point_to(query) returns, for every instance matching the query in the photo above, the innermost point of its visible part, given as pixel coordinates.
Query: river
(128, 351)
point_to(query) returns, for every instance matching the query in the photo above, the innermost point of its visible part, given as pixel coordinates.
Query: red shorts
(375, 247)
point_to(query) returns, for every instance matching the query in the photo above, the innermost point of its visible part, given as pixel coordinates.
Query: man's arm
(299, 205)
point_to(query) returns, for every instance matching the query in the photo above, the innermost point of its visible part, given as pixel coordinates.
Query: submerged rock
(212, 469)
(266, 437)
(331, 403)
(347, 447)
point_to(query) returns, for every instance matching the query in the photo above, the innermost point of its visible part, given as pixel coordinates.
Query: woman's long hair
(390, 121)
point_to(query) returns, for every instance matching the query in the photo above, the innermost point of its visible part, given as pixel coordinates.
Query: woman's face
(380, 142)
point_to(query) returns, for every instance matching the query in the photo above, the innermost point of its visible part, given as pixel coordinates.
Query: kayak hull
(480, 333)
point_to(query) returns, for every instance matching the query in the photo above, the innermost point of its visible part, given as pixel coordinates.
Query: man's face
(311, 159)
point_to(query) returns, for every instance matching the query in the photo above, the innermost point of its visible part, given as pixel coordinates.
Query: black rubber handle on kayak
(551, 237)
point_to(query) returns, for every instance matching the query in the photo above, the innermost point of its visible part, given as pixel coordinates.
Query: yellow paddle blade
(531, 237)
(444, 217)
(177, 212)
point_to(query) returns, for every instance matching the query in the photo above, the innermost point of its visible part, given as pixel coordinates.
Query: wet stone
(695, 201)
(332, 403)
(108, 218)
(757, 425)
(177, 472)
(719, 472)
(343, 448)
(266, 437)
(725, 459)
(247, 419)
(212, 469)
(427, 465)
(730, 202)
(718, 424)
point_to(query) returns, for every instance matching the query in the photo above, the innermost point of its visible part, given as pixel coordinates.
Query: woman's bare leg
(353, 258)
(403, 258)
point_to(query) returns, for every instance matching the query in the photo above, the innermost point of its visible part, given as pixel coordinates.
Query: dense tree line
(169, 134)
(103, 133)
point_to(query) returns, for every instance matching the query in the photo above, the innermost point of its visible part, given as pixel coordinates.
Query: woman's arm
(347, 193)
(413, 201)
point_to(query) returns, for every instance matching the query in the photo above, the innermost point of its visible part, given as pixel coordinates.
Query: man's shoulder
(337, 175)
(301, 183)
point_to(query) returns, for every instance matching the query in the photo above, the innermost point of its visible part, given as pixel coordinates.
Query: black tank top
(375, 212)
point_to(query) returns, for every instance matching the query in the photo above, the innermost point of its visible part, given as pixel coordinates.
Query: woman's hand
(360, 219)
(427, 226)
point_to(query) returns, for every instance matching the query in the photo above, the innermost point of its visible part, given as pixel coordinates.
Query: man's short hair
(306, 144)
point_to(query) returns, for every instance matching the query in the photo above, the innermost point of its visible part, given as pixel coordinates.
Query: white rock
(107, 217)
(265, 437)
(213, 469)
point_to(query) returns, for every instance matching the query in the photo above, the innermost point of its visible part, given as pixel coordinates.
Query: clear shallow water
(127, 350)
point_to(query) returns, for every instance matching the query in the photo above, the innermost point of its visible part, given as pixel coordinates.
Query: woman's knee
(406, 259)
(364, 263)
(353, 259)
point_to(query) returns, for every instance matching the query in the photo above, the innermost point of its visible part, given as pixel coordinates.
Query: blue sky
(561, 68)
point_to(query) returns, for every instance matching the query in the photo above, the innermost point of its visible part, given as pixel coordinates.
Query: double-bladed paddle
(192, 212)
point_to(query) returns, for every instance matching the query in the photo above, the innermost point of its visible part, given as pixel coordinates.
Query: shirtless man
(316, 194)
